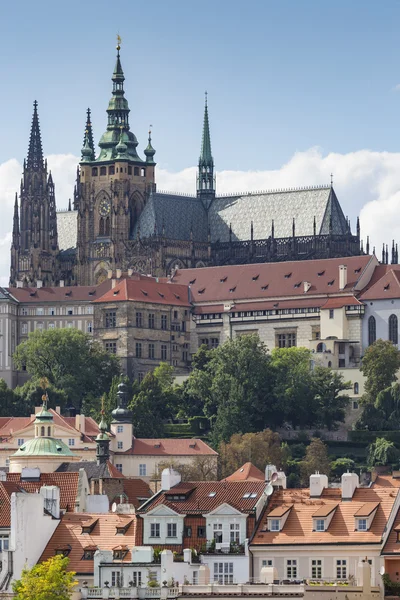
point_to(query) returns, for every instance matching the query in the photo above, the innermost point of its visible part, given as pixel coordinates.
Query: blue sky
(282, 76)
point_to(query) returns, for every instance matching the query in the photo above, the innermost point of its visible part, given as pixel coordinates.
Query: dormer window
(64, 551)
(120, 552)
(362, 525)
(88, 553)
(274, 524)
(319, 524)
(88, 527)
(365, 515)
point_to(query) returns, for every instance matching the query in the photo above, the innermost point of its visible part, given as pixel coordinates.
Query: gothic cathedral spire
(205, 177)
(35, 245)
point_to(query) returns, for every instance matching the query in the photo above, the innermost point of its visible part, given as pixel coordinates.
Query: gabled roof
(386, 287)
(340, 302)
(206, 496)
(248, 472)
(73, 293)
(271, 280)
(147, 289)
(169, 447)
(67, 482)
(93, 470)
(6, 489)
(298, 528)
(103, 536)
(281, 207)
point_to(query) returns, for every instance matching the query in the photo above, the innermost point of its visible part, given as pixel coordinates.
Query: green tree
(154, 403)
(10, 403)
(382, 452)
(71, 361)
(293, 386)
(380, 364)
(316, 459)
(261, 448)
(384, 413)
(328, 386)
(341, 465)
(48, 580)
(30, 395)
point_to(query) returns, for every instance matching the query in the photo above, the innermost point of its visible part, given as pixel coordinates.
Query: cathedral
(118, 220)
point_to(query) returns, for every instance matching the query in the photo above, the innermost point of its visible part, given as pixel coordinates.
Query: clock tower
(112, 188)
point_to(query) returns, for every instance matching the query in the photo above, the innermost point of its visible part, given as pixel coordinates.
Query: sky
(297, 90)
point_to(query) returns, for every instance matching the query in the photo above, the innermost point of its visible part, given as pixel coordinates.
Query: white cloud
(366, 183)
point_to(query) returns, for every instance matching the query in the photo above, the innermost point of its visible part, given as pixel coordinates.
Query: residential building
(118, 219)
(248, 472)
(144, 322)
(324, 533)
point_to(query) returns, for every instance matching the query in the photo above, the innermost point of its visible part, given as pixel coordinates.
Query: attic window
(88, 553)
(68, 293)
(357, 270)
(177, 296)
(250, 495)
(255, 277)
(88, 527)
(122, 529)
(223, 279)
(202, 290)
(246, 495)
(288, 275)
(157, 445)
(264, 287)
(212, 494)
(331, 282)
(386, 287)
(144, 292)
(297, 285)
(92, 292)
(161, 295)
(192, 445)
(192, 282)
(232, 289)
(32, 294)
(116, 292)
(321, 273)
(64, 550)
(120, 552)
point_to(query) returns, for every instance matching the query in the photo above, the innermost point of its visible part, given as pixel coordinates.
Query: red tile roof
(103, 536)
(6, 489)
(205, 496)
(298, 528)
(270, 280)
(136, 490)
(386, 287)
(340, 302)
(75, 293)
(67, 482)
(248, 472)
(169, 447)
(147, 289)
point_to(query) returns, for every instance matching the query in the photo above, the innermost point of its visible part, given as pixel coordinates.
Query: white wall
(162, 515)
(381, 310)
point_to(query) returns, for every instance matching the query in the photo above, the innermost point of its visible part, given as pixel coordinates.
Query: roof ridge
(276, 191)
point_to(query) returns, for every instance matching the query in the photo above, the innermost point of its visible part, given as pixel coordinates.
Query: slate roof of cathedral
(67, 229)
(280, 206)
(174, 214)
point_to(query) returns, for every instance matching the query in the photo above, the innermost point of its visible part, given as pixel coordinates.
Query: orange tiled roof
(147, 289)
(366, 509)
(169, 447)
(137, 491)
(72, 293)
(341, 301)
(386, 481)
(104, 536)
(387, 286)
(298, 528)
(392, 546)
(6, 489)
(205, 496)
(248, 472)
(67, 482)
(279, 511)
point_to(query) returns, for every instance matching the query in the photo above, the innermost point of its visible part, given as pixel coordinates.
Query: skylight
(212, 494)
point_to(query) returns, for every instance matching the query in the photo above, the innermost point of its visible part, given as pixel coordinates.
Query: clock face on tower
(104, 207)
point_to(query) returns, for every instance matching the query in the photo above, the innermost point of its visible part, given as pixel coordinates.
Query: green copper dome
(43, 446)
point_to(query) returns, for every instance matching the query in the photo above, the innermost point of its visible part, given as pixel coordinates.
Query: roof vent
(331, 282)
(33, 293)
(161, 295)
(255, 277)
(321, 273)
(192, 282)
(297, 285)
(157, 445)
(232, 289)
(69, 293)
(144, 293)
(357, 270)
(92, 292)
(177, 296)
(116, 293)
(264, 287)
(288, 275)
(202, 291)
(386, 287)
(307, 286)
(223, 279)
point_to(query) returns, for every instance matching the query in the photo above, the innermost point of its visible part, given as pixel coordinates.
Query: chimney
(269, 471)
(109, 274)
(118, 273)
(39, 283)
(350, 482)
(58, 410)
(113, 283)
(318, 483)
(61, 282)
(51, 495)
(307, 286)
(342, 277)
(169, 478)
(130, 272)
(80, 423)
(19, 284)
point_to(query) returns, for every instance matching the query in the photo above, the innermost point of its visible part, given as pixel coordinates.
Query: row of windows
(112, 170)
(209, 342)
(61, 310)
(316, 567)
(110, 321)
(393, 330)
(151, 351)
(51, 325)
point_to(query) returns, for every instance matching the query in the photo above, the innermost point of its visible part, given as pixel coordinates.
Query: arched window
(42, 431)
(143, 172)
(107, 227)
(136, 171)
(356, 388)
(371, 330)
(103, 170)
(393, 329)
(94, 172)
(321, 347)
(330, 364)
(101, 226)
(111, 170)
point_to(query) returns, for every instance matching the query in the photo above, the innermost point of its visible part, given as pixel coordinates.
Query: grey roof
(93, 470)
(281, 207)
(176, 214)
(67, 228)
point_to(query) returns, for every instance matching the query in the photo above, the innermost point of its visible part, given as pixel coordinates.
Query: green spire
(87, 152)
(102, 440)
(206, 158)
(89, 132)
(118, 119)
(149, 151)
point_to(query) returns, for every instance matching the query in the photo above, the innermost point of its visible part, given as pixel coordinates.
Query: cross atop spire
(35, 152)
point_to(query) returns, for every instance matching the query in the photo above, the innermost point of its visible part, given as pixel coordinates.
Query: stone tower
(205, 175)
(34, 245)
(112, 189)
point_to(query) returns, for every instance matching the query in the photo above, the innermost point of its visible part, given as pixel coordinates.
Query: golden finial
(119, 40)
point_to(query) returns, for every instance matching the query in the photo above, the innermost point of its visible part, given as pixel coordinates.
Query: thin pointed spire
(89, 132)
(367, 246)
(16, 223)
(205, 153)
(149, 151)
(69, 205)
(35, 152)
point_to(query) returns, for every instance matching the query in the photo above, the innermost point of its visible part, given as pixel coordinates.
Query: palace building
(119, 220)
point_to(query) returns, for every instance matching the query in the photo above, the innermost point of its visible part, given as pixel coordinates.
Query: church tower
(112, 189)
(34, 245)
(205, 176)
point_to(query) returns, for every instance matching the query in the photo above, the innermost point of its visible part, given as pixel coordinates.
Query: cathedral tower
(205, 176)
(112, 189)
(34, 240)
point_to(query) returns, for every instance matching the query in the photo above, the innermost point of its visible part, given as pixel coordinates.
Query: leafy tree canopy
(382, 453)
(380, 364)
(71, 361)
(316, 459)
(48, 580)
